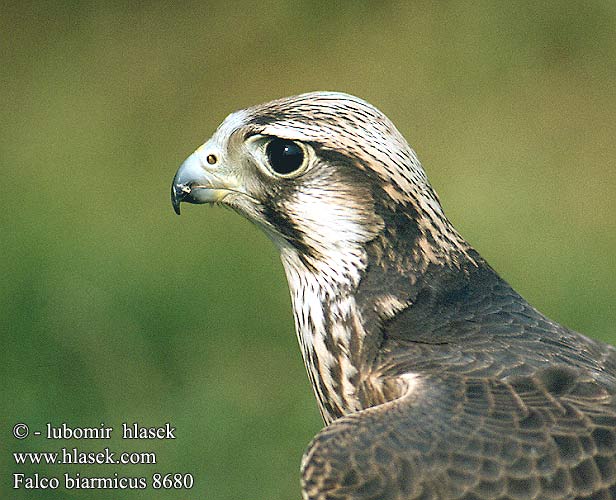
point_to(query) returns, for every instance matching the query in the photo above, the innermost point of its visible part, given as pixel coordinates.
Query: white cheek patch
(331, 224)
(330, 219)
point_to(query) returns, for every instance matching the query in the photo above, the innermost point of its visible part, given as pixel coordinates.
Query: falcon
(435, 379)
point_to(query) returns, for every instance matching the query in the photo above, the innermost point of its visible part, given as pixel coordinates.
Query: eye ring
(284, 156)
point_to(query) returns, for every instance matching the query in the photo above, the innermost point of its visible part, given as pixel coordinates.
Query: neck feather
(329, 327)
(344, 291)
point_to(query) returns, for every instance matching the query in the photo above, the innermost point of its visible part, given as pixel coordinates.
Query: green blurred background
(113, 309)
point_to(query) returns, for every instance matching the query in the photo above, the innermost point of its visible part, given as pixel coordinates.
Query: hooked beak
(194, 184)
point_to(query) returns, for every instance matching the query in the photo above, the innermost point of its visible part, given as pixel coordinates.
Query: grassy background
(113, 309)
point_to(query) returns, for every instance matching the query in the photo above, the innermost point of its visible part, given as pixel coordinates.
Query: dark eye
(284, 156)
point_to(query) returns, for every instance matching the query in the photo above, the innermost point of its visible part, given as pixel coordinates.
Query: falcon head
(324, 174)
(361, 233)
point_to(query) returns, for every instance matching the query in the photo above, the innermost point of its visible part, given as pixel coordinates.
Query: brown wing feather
(546, 436)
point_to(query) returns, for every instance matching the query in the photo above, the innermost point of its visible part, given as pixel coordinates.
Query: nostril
(211, 159)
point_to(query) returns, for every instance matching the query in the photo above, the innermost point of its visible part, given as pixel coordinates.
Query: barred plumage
(436, 379)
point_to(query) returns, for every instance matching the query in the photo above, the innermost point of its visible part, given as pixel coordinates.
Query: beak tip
(176, 199)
